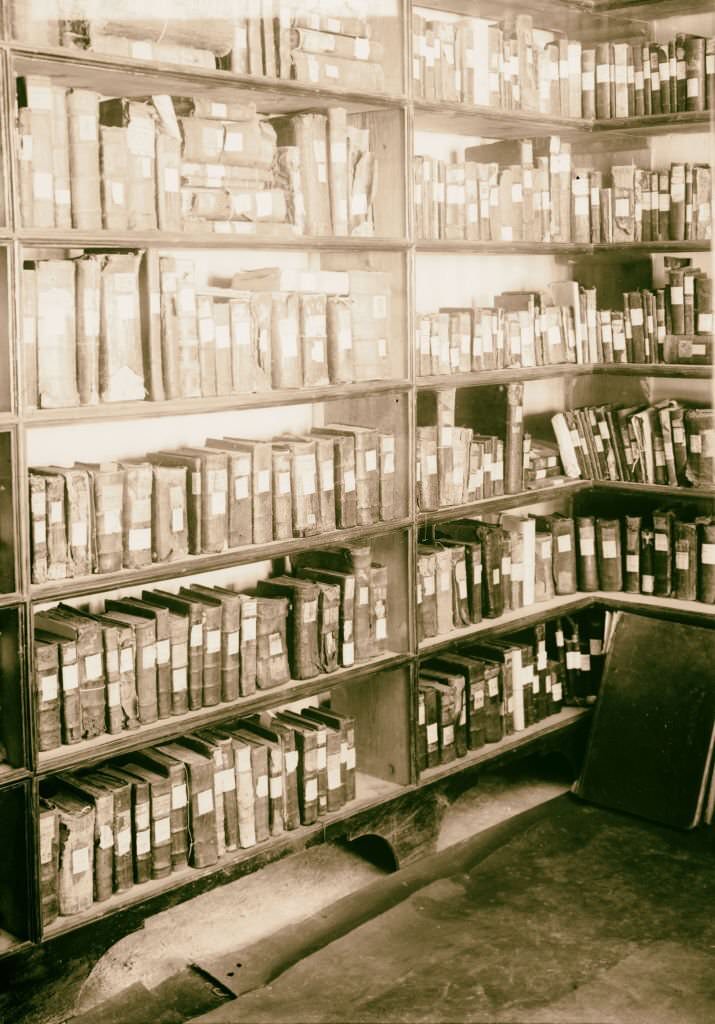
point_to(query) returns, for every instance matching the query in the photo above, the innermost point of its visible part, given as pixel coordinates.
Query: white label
(291, 761)
(693, 87)
(432, 733)
(149, 656)
(205, 802)
(609, 549)
(632, 563)
(661, 542)
(93, 667)
(178, 796)
(636, 316)
(587, 546)
(196, 636)
(707, 554)
(143, 841)
(70, 677)
(232, 642)
(623, 206)
(162, 831)
(114, 696)
(262, 787)
(371, 460)
(349, 481)
(80, 860)
(87, 128)
(363, 596)
(276, 786)
(48, 688)
(225, 780)
(213, 641)
(563, 542)
(178, 679)
(124, 841)
(275, 645)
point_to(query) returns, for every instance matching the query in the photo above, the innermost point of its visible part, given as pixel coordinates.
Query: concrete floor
(286, 892)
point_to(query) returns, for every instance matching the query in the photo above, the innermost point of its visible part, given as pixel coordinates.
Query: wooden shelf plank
(8, 600)
(651, 9)
(489, 378)
(69, 238)
(504, 501)
(603, 250)
(572, 17)
(102, 747)
(10, 776)
(125, 76)
(666, 607)
(195, 564)
(673, 370)
(222, 403)
(629, 487)
(370, 792)
(565, 719)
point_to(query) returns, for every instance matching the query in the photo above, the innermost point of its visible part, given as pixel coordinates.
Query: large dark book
(193, 613)
(175, 771)
(159, 789)
(212, 613)
(230, 638)
(49, 833)
(660, 672)
(473, 673)
(203, 849)
(303, 601)
(47, 693)
(454, 682)
(103, 802)
(161, 619)
(344, 725)
(123, 859)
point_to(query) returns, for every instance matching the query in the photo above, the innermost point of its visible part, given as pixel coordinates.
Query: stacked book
(230, 493)
(108, 341)
(482, 568)
(459, 465)
(563, 324)
(504, 66)
(195, 164)
(189, 802)
(531, 191)
(664, 443)
(140, 660)
(263, 38)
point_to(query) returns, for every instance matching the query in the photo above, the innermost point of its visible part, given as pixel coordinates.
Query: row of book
(563, 324)
(178, 163)
(664, 443)
(265, 38)
(149, 658)
(104, 517)
(488, 689)
(482, 568)
(189, 802)
(545, 198)
(502, 65)
(92, 334)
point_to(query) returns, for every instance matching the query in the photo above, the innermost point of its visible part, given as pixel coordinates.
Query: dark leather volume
(49, 836)
(426, 594)
(174, 771)
(123, 859)
(427, 726)
(160, 617)
(492, 542)
(203, 848)
(230, 636)
(706, 575)
(647, 561)
(272, 666)
(663, 552)
(345, 724)
(303, 600)
(455, 683)
(220, 749)
(306, 739)
(141, 819)
(160, 816)
(631, 572)
(193, 613)
(685, 561)
(266, 727)
(587, 564)
(608, 546)
(472, 671)
(344, 584)
(355, 560)
(563, 539)
(103, 802)
(212, 614)
(47, 693)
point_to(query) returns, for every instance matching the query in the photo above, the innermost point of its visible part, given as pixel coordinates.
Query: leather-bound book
(677, 204)
(56, 334)
(344, 724)
(191, 523)
(230, 636)
(308, 132)
(158, 789)
(173, 772)
(171, 652)
(76, 855)
(695, 73)
(38, 527)
(221, 776)
(126, 714)
(703, 304)
(706, 560)
(427, 726)
(453, 706)
(207, 345)
(685, 561)
(514, 438)
(700, 469)
(340, 339)
(386, 465)
(68, 684)
(367, 478)
(260, 453)
(443, 580)
(426, 597)
(543, 575)
(88, 276)
(119, 789)
(563, 536)
(587, 565)
(306, 736)
(248, 644)
(428, 477)
(212, 611)
(71, 625)
(610, 559)
(281, 489)
(356, 561)
(75, 520)
(107, 490)
(508, 657)
(302, 628)
(168, 171)
(473, 675)
(329, 625)
(203, 850)
(647, 561)
(181, 369)
(246, 801)
(121, 361)
(83, 123)
(214, 496)
(140, 140)
(268, 728)
(193, 614)
(49, 833)
(272, 667)
(603, 81)
(47, 693)
(305, 485)
(345, 484)
(345, 585)
(663, 552)
(631, 572)
(137, 514)
(286, 357)
(145, 672)
(313, 339)
(623, 203)
(170, 519)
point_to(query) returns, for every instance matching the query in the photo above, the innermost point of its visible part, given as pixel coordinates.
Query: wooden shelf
(651, 9)
(505, 501)
(10, 776)
(513, 620)
(667, 490)
(574, 18)
(621, 250)
(503, 248)
(102, 747)
(662, 607)
(490, 378)
(370, 792)
(9, 944)
(655, 124)
(673, 370)
(75, 238)
(195, 564)
(124, 76)
(565, 719)
(7, 600)
(221, 403)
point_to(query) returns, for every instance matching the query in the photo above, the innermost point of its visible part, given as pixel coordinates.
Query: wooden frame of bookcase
(383, 804)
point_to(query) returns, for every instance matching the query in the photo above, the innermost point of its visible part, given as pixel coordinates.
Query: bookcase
(382, 693)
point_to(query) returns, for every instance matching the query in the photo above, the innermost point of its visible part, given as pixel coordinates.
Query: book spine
(608, 537)
(38, 527)
(161, 840)
(76, 860)
(49, 833)
(663, 553)
(83, 122)
(706, 574)
(137, 515)
(46, 675)
(685, 561)
(207, 345)
(245, 795)
(248, 646)
(202, 815)
(695, 73)
(564, 555)
(110, 642)
(587, 565)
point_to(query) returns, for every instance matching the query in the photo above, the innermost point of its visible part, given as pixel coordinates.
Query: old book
(68, 684)
(102, 800)
(202, 813)
(49, 834)
(260, 453)
(564, 551)
(302, 625)
(83, 123)
(367, 481)
(107, 497)
(145, 669)
(313, 339)
(356, 562)
(167, 694)
(174, 771)
(170, 519)
(56, 334)
(47, 692)
(121, 369)
(345, 583)
(230, 638)
(187, 663)
(76, 857)
(89, 668)
(267, 727)
(88, 319)
(609, 553)
(179, 329)
(308, 132)
(272, 666)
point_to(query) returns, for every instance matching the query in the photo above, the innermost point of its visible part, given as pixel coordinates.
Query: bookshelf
(380, 693)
